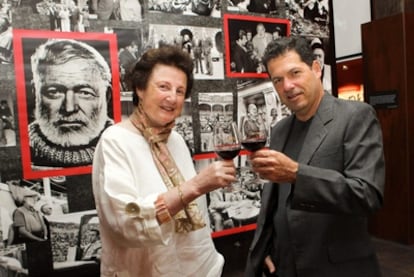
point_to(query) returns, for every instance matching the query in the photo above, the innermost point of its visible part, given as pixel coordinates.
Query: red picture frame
(25, 42)
(233, 23)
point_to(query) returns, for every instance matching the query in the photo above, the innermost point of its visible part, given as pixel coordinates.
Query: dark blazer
(340, 182)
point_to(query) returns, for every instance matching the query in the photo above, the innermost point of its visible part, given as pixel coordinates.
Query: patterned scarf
(190, 218)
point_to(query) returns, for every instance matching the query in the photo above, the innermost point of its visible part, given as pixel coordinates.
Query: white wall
(348, 15)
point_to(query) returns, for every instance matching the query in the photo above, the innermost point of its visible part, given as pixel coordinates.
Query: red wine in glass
(226, 140)
(254, 144)
(253, 138)
(228, 153)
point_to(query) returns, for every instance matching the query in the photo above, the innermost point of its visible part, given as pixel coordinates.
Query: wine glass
(226, 141)
(254, 136)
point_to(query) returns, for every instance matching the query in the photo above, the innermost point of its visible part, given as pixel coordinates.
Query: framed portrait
(202, 43)
(245, 39)
(67, 88)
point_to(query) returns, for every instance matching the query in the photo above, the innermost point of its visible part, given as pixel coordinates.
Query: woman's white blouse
(133, 243)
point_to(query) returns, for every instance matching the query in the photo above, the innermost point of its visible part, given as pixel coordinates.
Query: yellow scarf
(190, 218)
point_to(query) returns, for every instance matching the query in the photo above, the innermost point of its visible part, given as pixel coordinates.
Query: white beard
(75, 137)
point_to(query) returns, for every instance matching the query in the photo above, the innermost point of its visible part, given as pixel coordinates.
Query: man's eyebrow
(83, 86)
(275, 78)
(76, 87)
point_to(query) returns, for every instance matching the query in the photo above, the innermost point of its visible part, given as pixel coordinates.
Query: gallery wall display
(46, 146)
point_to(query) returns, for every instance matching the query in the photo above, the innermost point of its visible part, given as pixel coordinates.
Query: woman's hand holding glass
(218, 174)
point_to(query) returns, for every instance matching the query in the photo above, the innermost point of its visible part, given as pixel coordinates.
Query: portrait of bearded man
(72, 85)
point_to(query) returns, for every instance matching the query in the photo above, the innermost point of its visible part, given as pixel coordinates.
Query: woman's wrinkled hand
(216, 175)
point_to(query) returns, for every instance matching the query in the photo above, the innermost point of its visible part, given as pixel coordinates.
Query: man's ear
(109, 104)
(32, 89)
(317, 68)
(109, 94)
(32, 96)
(139, 93)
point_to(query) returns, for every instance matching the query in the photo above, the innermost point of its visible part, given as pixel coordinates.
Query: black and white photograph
(6, 35)
(12, 260)
(7, 116)
(258, 106)
(275, 8)
(186, 7)
(76, 243)
(311, 17)
(126, 104)
(26, 211)
(130, 47)
(184, 125)
(213, 108)
(69, 99)
(204, 44)
(235, 208)
(321, 53)
(246, 38)
(71, 16)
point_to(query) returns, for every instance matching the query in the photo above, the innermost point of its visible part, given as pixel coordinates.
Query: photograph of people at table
(237, 205)
(326, 170)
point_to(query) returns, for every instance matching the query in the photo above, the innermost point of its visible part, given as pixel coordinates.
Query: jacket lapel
(317, 130)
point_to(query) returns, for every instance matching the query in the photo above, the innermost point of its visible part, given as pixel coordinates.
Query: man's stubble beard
(70, 137)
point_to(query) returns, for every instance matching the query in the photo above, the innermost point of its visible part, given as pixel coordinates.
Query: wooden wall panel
(409, 46)
(387, 65)
(384, 8)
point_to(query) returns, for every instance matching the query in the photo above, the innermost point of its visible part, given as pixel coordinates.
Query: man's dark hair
(140, 72)
(242, 33)
(277, 29)
(282, 45)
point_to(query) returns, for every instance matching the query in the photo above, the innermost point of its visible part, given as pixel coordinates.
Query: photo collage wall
(226, 40)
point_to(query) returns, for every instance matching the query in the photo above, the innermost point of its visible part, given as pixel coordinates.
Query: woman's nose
(172, 96)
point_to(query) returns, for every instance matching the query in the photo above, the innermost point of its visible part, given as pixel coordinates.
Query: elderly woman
(150, 201)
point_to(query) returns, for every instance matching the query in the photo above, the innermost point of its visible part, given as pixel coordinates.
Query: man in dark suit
(241, 60)
(326, 167)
